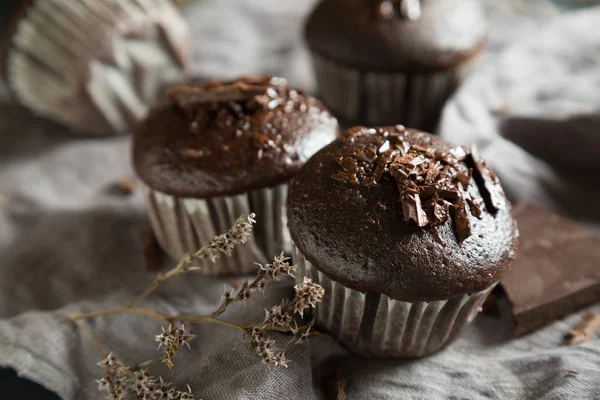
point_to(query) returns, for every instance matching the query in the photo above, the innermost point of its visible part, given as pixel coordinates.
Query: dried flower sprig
(172, 339)
(280, 318)
(120, 379)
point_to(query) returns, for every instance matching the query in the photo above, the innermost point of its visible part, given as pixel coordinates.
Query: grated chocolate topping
(435, 183)
(223, 137)
(241, 105)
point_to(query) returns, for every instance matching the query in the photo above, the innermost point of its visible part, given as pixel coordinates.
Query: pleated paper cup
(95, 66)
(184, 224)
(374, 325)
(383, 98)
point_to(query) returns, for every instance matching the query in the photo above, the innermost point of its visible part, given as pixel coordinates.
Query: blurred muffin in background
(94, 66)
(213, 152)
(383, 62)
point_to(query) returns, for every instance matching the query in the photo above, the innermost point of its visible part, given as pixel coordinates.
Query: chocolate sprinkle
(433, 185)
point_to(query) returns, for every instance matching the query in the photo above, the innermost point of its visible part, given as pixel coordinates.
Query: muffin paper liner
(374, 325)
(377, 98)
(96, 66)
(183, 224)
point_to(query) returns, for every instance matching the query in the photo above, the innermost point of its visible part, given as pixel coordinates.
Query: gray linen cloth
(70, 244)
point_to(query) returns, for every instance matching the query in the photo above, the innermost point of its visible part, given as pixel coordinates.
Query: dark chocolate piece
(225, 138)
(556, 272)
(363, 211)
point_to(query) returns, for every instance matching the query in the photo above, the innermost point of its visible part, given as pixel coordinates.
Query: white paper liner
(96, 66)
(183, 224)
(377, 98)
(374, 325)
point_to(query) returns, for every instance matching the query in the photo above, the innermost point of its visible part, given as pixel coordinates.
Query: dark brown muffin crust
(225, 138)
(375, 35)
(400, 212)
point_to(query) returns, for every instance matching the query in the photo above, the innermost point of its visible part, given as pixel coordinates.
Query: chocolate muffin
(94, 66)
(382, 62)
(407, 235)
(213, 152)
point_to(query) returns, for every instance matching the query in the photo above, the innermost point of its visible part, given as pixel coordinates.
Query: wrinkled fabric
(70, 243)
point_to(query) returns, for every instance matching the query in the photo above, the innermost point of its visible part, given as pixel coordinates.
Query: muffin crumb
(126, 186)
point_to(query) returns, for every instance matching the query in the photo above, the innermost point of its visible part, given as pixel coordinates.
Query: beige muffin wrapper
(183, 224)
(374, 325)
(96, 66)
(377, 98)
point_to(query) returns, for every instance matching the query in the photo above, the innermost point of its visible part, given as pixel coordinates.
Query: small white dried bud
(164, 339)
(277, 317)
(182, 337)
(243, 292)
(302, 333)
(109, 361)
(308, 294)
(172, 339)
(282, 266)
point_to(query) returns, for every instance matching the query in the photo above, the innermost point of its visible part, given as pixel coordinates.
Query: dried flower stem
(159, 316)
(88, 334)
(279, 318)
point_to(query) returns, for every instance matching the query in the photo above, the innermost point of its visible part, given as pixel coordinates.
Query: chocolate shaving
(446, 194)
(475, 207)
(429, 179)
(461, 220)
(412, 209)
(584, 330)
(464, 177)
(486, 181)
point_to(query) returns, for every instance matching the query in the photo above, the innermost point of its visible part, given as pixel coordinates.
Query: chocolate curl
(475, 207)
(446, 194)
(412, 209)
(462, 224)
(486, 181)
(438, 210)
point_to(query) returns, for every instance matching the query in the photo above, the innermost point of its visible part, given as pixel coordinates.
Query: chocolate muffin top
(397, 35)
(224, 138)
(398, 211)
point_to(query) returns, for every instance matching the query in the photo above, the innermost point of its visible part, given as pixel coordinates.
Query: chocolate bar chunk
(557, 270)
